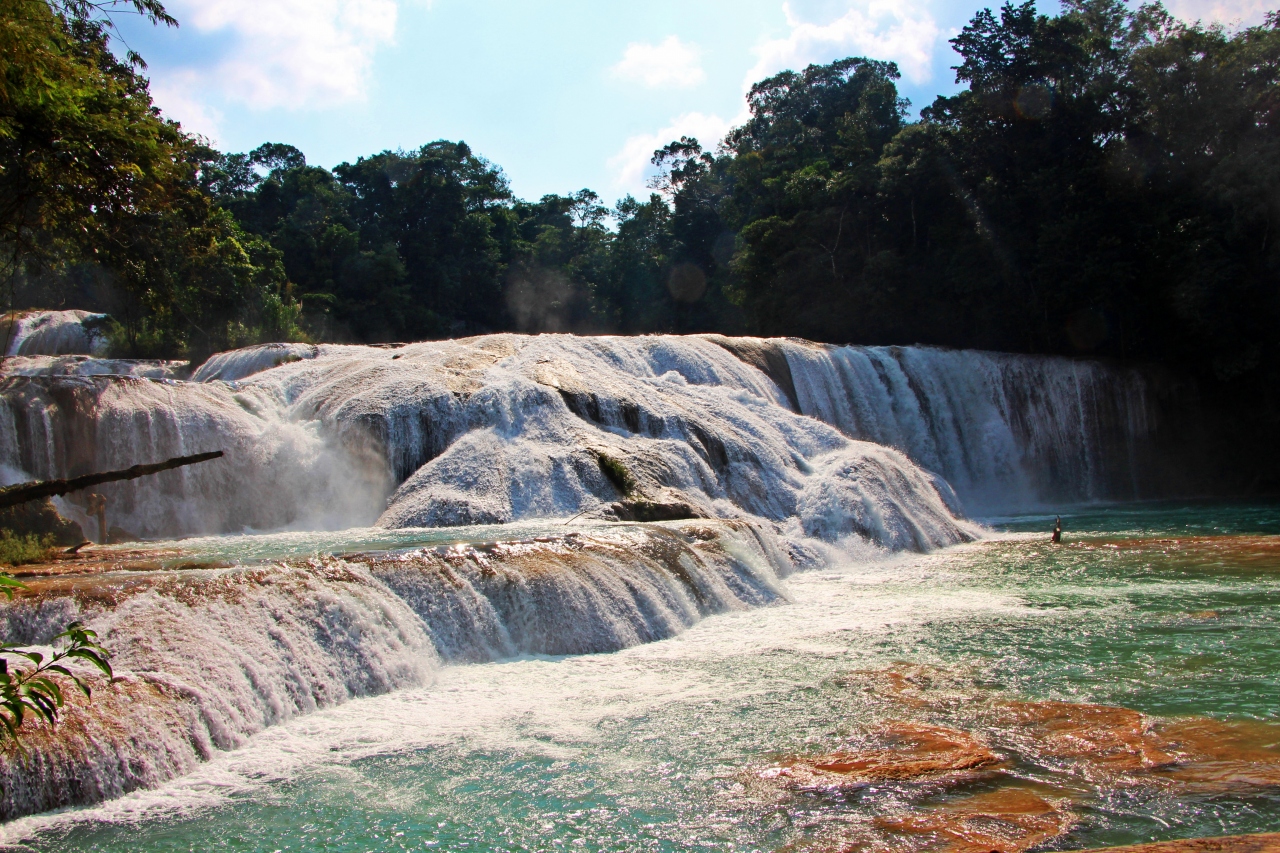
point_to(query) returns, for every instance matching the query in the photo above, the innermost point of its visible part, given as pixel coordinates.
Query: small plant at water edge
(618, 474)
(16, 549)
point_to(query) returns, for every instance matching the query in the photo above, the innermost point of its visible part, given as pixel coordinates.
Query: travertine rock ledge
(1263, 842)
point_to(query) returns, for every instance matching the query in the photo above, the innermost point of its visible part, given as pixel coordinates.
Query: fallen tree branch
(33, 491)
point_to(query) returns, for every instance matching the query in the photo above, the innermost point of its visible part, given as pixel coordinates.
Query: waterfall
(1006, 431)
(765, 448)
(279, 472)
(238, 364)
(206, 657)
(583, 593)
(83, 365)
(53, 333)
(479, 431)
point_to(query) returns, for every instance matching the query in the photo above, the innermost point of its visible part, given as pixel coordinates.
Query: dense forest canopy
(1107, 183)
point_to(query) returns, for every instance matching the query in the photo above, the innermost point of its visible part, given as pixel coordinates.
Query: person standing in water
(1057, 530)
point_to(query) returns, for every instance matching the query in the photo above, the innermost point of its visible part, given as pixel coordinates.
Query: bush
(15, 550)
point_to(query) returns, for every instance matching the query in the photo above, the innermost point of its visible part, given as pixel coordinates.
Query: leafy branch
(35, 690)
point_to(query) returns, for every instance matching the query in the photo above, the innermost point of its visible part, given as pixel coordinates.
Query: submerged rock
(1262, 842)
(1094, 740)
(978, 735)
(896, 751)
(1007, 820)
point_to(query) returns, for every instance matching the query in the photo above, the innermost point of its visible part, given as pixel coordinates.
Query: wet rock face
(42, 519)
(645, 510)
(976, 771)
(1006, 820)
(896, 751)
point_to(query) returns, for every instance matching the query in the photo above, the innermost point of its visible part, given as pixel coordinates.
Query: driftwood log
(23, 492)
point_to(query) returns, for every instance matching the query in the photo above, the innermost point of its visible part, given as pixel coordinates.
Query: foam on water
(554, 706)
(655, 746)
(209, 657)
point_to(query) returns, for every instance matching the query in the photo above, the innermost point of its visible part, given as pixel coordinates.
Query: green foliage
(618, 474)
(94, 183)
(16, 550)
(34, 690)
(1105, 184)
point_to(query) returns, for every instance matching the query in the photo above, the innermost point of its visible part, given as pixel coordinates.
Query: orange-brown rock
(897, 752)
(1099, 745)
(1007, 820)
(1091, 739)
(1262, 842)
(1222, 757)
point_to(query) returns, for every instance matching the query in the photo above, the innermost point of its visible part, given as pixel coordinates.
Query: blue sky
(563, 95)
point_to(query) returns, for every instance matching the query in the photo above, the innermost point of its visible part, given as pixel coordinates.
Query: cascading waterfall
(768, 449)
(53, 333)
(480, 431)
(206, 657)
(84, 365)
(1006, 431)
(279, 471)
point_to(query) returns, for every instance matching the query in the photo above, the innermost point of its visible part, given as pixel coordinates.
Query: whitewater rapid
(761, 455)
(209, 652)
(480, 431)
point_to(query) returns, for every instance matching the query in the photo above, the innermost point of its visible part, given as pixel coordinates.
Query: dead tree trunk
(23, 492)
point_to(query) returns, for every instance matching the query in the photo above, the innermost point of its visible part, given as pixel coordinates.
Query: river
(1169, 609)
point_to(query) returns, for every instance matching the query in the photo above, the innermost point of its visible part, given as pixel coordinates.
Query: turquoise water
(1168, 609)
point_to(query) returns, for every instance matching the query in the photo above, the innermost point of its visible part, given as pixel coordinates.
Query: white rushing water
(207, 657)
(508, 427)
(554, 706)
(85, 365)
(1007, 431)
(54, 333)
(479, 431)
(780, 452)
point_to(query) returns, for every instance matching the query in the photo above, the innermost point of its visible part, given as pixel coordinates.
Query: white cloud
(174, 92)
(671, 63)
(897, 30)
(631, 166)
(1220, 11)
(284, 53)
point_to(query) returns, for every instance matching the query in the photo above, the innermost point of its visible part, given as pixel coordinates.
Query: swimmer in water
(1057, 530)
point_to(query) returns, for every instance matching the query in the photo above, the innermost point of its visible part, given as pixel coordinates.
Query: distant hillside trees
(99, 200)
(1107, 183)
